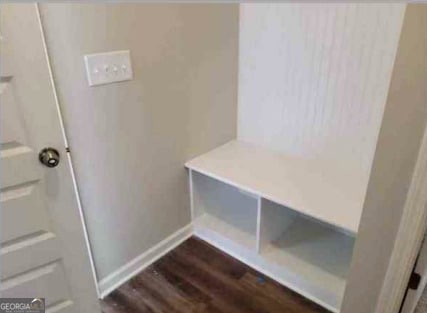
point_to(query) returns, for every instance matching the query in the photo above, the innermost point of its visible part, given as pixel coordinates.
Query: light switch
(108, 67)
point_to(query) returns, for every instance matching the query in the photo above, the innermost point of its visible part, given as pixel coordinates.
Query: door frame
(413, 296)
(409, 238)
(69, 158)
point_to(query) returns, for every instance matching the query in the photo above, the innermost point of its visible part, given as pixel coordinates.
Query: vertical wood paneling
(313, 79)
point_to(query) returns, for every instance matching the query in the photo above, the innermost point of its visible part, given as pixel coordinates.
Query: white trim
(190, 187)
(258, 225)
(409, 237)
(70, 163)
(132, 268)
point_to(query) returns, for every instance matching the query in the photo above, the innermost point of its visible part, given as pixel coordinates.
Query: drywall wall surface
(129, 141)
(313, 78)
(401, 133)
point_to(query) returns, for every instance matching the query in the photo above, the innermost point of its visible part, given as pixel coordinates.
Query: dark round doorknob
(49, 157)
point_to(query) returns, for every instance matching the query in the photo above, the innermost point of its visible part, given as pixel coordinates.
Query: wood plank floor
(197, 278)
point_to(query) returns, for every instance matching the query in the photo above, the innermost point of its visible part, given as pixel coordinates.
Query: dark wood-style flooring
(197, 278)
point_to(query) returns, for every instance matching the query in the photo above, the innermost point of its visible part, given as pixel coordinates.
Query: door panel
(47, 280)
(29, 253)
(20, 201)
(43, 246)
(19, 163)
(12, 133)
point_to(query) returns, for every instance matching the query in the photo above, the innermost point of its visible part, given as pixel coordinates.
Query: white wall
(129, 140)
(313, 79)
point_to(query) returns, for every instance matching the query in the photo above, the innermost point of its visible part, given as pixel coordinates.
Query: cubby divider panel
(274, 220)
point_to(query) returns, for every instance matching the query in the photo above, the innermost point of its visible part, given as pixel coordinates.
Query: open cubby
(317, 253)
(224, 209)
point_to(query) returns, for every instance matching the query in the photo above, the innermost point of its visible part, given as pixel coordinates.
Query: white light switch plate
(108, 67)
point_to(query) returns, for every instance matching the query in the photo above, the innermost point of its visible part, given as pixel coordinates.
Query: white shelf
(313, 187)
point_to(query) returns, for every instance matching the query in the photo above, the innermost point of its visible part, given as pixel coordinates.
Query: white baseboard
(132, 268)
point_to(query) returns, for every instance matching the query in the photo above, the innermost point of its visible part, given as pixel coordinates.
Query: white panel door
(43, 249)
